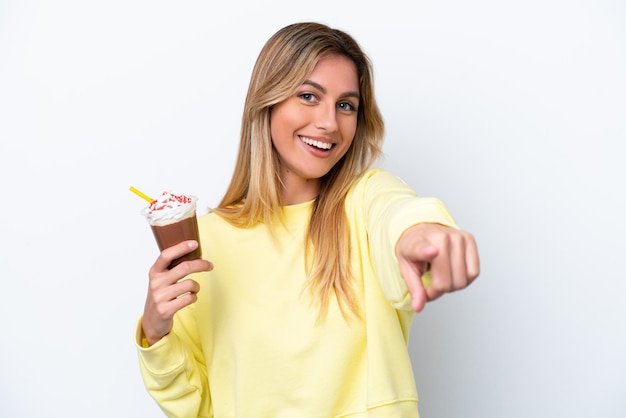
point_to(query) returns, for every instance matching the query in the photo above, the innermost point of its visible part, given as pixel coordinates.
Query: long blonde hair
(254, 193)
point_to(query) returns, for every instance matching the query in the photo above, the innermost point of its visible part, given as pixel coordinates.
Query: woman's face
(313, 129)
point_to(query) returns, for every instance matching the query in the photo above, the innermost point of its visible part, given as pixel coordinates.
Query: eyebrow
(354, 94)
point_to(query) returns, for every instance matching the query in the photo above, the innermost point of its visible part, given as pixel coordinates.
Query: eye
(308, 97)
(347, 106)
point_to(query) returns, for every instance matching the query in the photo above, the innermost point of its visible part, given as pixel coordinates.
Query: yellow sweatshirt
(250, 345)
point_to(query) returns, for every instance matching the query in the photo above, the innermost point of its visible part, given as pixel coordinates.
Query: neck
(299, 190)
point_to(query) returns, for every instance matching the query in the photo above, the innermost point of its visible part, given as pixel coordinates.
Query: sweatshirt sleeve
(390, 207)
(173, 368)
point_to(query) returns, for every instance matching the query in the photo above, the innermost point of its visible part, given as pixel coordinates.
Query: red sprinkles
(168, 200)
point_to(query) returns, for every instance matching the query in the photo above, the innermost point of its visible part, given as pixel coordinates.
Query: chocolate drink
(172, 218)
(172, 234)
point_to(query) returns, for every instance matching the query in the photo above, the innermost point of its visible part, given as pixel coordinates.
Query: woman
(318, 260)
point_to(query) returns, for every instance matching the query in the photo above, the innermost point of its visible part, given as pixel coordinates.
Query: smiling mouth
(317, 144)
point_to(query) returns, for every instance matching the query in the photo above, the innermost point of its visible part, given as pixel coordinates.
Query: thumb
(412, 275)
(414, 269)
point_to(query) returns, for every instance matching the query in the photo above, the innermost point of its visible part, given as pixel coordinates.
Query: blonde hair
(254, 193)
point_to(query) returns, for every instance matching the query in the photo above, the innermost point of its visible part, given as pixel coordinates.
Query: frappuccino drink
(172, 218)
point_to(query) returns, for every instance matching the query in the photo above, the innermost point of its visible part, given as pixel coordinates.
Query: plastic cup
(173, 226)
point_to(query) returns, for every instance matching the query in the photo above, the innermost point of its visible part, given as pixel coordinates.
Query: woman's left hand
(450, 254)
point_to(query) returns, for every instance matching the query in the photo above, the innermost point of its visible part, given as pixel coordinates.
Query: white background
(513, 113)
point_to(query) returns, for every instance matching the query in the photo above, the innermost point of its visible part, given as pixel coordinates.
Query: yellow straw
(141, 195)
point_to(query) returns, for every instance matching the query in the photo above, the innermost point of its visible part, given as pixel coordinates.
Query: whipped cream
(170, 207)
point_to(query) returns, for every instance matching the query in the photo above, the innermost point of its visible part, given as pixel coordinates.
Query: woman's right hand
(167, 293)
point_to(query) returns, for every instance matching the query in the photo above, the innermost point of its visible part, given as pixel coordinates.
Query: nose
(326, 117)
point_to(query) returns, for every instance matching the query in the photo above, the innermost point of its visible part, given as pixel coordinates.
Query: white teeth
(314, 143)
